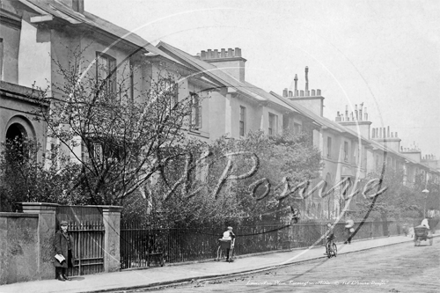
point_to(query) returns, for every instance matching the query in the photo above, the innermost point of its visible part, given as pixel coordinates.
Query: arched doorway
(16, 136)
(16, 131)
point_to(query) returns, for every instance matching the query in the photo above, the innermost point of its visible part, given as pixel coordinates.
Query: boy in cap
(63, 244)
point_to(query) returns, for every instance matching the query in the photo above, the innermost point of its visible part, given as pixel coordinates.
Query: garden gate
(87, 228)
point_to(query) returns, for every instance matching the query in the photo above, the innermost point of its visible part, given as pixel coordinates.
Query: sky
(384, 54)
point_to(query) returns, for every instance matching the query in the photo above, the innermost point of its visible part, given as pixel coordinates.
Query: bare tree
(119, 136)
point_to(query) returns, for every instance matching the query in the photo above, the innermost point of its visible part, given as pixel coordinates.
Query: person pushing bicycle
(229, 236)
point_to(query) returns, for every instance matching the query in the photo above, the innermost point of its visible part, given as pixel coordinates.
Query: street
(397, 268)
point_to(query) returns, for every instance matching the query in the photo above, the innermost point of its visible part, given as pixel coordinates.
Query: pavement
(196, 271)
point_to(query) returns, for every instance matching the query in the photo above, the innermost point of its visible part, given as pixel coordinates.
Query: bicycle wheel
(219, 253)
(329, 251)
(335, 249)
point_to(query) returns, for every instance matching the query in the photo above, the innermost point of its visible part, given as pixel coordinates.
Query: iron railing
(181, 245)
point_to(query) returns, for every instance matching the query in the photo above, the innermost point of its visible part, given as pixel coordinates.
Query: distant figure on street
(405, 229)
(425, 223)
(349, 230)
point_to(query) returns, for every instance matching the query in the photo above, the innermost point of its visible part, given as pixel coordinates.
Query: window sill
(199, 133)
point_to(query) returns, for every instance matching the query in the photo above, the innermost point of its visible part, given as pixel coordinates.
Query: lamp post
(425, 191)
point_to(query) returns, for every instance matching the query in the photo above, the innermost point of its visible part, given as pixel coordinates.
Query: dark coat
(60, 244)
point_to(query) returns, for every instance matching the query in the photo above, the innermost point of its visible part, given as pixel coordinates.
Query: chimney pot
(313, 93)
(307, 80)
(237, 52)
(285, 93)
(318, 92)
(296, 85)
(230, 52)
(290, 94)
(223, 53)
(301, 93)
(209, 55)
(215, 54)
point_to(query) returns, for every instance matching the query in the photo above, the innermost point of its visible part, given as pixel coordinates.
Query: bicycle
(225, 245)
(331, 249)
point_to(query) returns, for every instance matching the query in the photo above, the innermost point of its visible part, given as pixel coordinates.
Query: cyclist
(329, 239)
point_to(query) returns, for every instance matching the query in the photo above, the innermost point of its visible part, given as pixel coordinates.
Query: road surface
(397, 268)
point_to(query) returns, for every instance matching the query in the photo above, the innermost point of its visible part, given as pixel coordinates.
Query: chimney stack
(229, 61)
(311, 99)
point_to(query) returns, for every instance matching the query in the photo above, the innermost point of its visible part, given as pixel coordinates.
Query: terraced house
(39, 37)
(43, 43)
